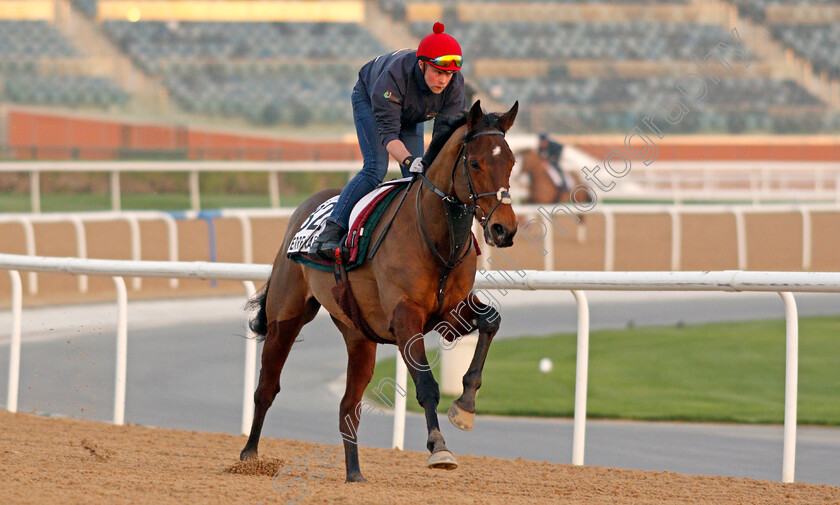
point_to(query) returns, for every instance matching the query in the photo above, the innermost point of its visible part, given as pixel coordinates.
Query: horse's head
(485, 180)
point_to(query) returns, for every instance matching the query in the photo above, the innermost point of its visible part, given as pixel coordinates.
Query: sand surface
(47, 460)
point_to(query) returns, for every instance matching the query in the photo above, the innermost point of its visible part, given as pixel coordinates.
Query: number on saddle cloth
(311, 228)
(363, 219)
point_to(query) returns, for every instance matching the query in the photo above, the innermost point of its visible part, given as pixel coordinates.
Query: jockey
(395, 94)
(551, 152)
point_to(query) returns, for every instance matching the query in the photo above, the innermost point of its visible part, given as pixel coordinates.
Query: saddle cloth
(554, 172)
(363, 219)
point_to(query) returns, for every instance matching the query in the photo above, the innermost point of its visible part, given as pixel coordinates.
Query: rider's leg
(375, 163)
(563, 179)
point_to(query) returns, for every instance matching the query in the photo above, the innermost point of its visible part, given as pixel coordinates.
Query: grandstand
(576, 66)
(31, 52)
(251, 69)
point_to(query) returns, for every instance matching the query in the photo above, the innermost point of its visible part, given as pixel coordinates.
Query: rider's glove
(414, 164)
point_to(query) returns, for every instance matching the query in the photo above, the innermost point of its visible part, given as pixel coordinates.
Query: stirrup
(327, 242)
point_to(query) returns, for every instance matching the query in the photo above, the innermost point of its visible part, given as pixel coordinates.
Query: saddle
(364, 217)
(363, 220)
(557, 176)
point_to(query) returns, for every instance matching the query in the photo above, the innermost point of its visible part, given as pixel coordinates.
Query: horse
(420, 279)
(541, 187)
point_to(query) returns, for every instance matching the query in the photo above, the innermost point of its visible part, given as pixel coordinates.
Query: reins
(451, 205)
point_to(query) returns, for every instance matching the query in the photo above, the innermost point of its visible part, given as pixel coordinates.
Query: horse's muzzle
(499, 235)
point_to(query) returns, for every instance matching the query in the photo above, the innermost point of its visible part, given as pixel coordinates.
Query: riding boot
(327, 242)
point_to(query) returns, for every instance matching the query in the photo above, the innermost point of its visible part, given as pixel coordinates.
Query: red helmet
(440, 50)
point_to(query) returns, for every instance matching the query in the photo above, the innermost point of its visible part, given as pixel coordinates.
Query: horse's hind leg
(407, 327)
(278, 342)
(361, 358)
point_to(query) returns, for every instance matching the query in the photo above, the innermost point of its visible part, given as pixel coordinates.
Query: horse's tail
(259, 323)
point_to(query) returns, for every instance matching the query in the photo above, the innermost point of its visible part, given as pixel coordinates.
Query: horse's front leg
(462, 411)
(407, 326)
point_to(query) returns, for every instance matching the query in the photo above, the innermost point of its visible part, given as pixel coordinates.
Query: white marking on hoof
(443, 460)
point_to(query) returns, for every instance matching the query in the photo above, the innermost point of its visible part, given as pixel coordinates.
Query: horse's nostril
(498, 230)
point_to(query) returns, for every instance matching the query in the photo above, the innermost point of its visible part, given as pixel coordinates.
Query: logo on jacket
(387, 94)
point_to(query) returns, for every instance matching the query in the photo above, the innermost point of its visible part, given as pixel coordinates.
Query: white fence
(751, 181)
(245, 216)
(785, 283)
(133, 218)
(193, 168)
(754, 182)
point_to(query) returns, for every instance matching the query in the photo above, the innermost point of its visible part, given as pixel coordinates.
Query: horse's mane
(447, 125)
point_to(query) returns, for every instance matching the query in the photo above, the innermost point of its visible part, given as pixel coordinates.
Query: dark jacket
(399, 94)
(551, 152)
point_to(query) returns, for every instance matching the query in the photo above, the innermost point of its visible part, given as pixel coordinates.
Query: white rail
(751, 181)
(245, 216)
(133, 218)
(79, 219)
(675, 212)
(117, 269)
(754, 181)
(784, 283)
(193, 168)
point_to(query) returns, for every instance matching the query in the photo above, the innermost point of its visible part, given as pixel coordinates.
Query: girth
(347, 302)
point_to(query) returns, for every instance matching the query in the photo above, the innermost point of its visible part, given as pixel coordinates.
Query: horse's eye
(475, 165)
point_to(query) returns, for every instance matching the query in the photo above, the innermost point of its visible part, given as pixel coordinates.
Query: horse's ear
(506, 119)
(474, 116)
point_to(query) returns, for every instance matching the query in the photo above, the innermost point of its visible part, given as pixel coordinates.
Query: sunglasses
(445, 61)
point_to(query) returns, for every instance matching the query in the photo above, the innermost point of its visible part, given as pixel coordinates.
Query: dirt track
(73, 461)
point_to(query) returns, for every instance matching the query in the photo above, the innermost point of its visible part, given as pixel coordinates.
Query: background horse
(541, 188)
(420, 279)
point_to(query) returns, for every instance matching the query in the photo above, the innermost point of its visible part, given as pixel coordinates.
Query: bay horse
(541, 187)
(422, 276)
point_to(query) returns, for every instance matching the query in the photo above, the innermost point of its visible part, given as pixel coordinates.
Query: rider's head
(543, 143)
(440, 58)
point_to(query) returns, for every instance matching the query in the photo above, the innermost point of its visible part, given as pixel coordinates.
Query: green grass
(72, 202)
(85, 191)
(731, 372)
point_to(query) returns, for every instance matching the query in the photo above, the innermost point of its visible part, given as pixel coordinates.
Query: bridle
(502, 195)
(459, 215)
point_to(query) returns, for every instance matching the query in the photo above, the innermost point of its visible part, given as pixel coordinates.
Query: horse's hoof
(460, 418)
(442, 460)
(355, 477)
(247, 454)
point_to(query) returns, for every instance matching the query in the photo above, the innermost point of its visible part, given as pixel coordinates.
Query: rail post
(14, 345)
(250, 367)
(581, 374)
(399, 404)
(122, 350)
(791, 385)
